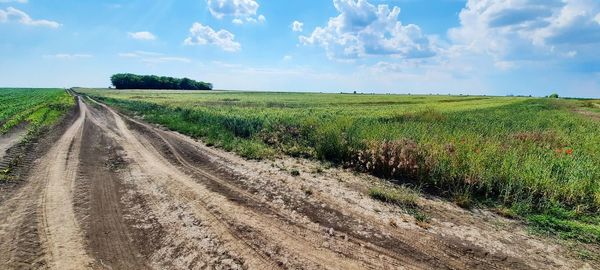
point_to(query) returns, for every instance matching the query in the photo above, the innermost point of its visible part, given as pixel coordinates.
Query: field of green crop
(35, 107)
(533, 158)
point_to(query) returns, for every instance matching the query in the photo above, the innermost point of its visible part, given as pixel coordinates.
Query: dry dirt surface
(112, 192)
(10, 139)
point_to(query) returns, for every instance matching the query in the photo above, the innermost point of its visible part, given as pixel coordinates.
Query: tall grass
(530, 155)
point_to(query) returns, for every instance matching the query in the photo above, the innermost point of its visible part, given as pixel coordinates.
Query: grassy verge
(534, 158)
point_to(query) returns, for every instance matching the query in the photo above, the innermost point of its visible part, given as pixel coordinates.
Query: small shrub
(505, 212)
(295, 172)
(421, 217)
(463, 199)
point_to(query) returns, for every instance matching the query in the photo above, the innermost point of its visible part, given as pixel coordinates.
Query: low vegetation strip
(35, 107)
(533, 157)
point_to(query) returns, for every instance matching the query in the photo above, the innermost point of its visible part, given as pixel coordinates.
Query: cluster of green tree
(133, 81)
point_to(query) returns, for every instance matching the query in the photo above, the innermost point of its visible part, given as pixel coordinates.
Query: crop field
(530, 158)
(35, 107)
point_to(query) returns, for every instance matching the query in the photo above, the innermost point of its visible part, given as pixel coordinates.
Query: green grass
(529, 155)
(37, 108)
(401, 196)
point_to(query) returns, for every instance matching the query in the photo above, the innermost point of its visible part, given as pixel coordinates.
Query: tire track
(33, 234)
(62, 238)
(99, 206)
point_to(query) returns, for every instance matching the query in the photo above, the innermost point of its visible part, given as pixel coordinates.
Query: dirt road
(112, 192)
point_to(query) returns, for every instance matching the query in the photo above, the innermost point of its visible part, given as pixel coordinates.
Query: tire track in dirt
(99, 206)
(36, 235)
(20, 245)
(62, 238)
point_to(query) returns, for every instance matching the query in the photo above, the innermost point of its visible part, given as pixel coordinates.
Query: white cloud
(205, 35)
(240, 10)
(23, 18)
(13, 1)
(527, 29)
(287, 58)
(297, 26)
(67, 56)
(144, 35)
(385, 67)
(597, 19)
(362, 29)
(504, 65)
(154, 57)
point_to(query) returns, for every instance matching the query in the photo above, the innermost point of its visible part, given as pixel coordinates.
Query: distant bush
(555, 95)
(132, 81)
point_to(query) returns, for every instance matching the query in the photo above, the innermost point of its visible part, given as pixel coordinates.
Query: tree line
(133, 81)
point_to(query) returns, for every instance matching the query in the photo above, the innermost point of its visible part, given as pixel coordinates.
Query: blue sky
(495, 47)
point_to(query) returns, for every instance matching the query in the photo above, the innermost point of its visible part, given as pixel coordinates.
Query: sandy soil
(113, 192)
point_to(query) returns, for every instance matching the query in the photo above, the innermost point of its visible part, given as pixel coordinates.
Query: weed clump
(389, 159)
(401, 196)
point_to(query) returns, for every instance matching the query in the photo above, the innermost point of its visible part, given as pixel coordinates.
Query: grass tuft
(401, 196)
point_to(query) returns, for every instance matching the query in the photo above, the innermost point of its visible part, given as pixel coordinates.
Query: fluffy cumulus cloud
(144, 35)
(528, 29)
(297, 26)
(13, 14)
(363, 29)
(205, 35)
(240, 11)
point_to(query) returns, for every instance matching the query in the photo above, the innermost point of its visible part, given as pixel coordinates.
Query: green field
(34, 107)
(532, 158)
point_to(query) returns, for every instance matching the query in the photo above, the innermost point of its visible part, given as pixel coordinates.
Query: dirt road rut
(113, 192)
